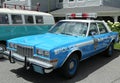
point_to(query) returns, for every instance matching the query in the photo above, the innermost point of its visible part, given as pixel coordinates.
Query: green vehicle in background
(17, 23)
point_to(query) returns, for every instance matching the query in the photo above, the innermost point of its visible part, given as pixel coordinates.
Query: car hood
(46, 41)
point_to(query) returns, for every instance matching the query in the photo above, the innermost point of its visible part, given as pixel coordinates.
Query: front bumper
(43, 66)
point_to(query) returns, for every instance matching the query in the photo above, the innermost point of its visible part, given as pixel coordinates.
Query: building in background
(105, 9)
(40, 5)
(17, 4)
(1, 2)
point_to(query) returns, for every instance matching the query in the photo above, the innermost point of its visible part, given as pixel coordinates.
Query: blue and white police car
(66, 44)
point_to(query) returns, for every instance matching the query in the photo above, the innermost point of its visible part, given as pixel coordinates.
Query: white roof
(80, 20)
(88, 21)
(25, 12)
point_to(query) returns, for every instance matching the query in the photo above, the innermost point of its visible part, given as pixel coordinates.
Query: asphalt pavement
(97, 69)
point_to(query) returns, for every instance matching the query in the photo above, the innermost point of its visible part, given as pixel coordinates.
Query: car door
(104, 37)
(94, 33)
(93, 38)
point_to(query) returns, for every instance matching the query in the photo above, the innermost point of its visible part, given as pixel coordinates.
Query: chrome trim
(40, 63)
(76, 48)
(25, 50)
(18, 57)
(85, 43)
(32, 61)
(6, 54)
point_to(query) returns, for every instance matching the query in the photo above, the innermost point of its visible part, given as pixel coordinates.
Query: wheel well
(78, 53)
(75, 52)
(113, 41)
(3, 42)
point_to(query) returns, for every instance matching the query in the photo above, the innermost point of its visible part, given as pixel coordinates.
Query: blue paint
(60, 46)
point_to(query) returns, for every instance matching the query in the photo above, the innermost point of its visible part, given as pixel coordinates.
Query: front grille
(25, 51)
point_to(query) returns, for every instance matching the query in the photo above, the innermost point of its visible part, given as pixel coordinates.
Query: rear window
(102, 28)
(39, 19)
(4, 19)
(16, 19)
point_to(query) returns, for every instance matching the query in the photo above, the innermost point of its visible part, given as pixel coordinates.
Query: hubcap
(72, 66)
(110, 50)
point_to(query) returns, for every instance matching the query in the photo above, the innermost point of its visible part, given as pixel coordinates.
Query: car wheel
(70, 67)
(109, 50)
(2, 49)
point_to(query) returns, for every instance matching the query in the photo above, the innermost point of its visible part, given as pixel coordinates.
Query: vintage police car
(66, 43)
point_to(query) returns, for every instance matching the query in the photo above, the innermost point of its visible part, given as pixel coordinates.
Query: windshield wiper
(66, 33)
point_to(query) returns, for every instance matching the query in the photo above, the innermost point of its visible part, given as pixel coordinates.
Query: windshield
(70, 28)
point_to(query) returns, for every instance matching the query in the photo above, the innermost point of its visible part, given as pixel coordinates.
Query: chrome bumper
(14, 56)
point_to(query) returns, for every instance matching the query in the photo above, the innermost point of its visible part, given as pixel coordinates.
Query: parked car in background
(64, 46)
(16, 23)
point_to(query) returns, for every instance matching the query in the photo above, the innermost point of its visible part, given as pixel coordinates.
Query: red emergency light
(73, 15)
(85, 15)
(81, 15)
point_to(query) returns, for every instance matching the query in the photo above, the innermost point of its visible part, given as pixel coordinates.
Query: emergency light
(81, 15)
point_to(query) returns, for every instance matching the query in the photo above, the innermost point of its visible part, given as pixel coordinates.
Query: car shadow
(86, 67)
(3, 59)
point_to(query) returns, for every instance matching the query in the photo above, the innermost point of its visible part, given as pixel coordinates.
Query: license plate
(38, 69)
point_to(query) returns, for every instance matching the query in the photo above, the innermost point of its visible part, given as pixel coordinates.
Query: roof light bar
(81, 15)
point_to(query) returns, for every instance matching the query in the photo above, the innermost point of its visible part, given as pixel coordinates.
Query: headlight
(46, 53)
(39, 52)
(11, 45)
(43, 53)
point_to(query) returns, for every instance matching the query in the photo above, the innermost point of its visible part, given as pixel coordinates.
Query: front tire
(70, 67)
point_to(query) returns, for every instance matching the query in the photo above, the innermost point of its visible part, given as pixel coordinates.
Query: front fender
(71, 52)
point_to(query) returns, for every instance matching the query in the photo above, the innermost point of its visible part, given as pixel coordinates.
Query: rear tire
(109, 51)
(70, 67)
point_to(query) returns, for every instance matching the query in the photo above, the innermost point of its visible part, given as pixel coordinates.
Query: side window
(80, 0)
(71, 0)
(16, 19)
(60, 1)
(29, 19)
(39, 19)
(102, 28)
(4, 19)
(93, 28)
